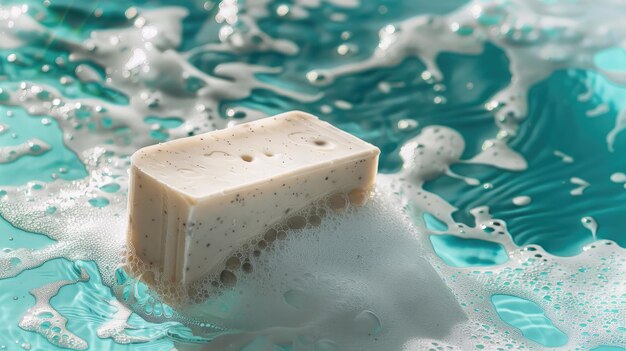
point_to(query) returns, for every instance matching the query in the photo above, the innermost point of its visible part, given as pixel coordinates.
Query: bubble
(325, 345)
(296, 222)
(337, 202)
(228, 278)
(296, 298)
(247, 267)
(368, 323)
(233, 263)
(270, 235)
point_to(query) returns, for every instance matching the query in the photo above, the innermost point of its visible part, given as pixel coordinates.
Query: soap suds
(116, 327)
(522, 200)
(43, 319)
(317, 278)
(582, 185)
(591, 224)
(31, 147)
(565, 158)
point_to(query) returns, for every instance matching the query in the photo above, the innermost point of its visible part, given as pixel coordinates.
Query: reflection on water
(528, 317)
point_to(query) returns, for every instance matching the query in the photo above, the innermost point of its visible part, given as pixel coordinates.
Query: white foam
(522, 200)
(618, 177)
(367, 280)
(565, 158)
(582, 185)
(591, 224)
(30, 147)
(116, 327)
(359, 280)
(42, 318)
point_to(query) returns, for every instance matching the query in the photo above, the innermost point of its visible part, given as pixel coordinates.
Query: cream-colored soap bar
(195, 200)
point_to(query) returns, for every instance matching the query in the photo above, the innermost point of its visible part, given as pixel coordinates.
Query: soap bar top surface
(247, 154)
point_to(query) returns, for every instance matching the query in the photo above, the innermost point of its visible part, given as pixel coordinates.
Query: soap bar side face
(223, 224)
(157, 218)
(146, 222)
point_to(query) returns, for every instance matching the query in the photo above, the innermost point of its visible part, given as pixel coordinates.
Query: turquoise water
(90, 122)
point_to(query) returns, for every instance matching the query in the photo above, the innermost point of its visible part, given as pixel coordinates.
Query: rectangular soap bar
(194, 200)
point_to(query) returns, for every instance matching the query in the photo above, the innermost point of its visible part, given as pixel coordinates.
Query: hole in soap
(319, 142)
(269, 154)
(247, 158)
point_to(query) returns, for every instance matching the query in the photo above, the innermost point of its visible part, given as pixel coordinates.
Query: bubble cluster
(241, 262)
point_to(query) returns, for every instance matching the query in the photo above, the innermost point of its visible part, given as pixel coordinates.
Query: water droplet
(591, 224)
(407, 124)
(282, 10)
(618, 177)
(522, 200)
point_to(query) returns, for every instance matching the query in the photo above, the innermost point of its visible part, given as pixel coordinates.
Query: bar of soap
(195, 200)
